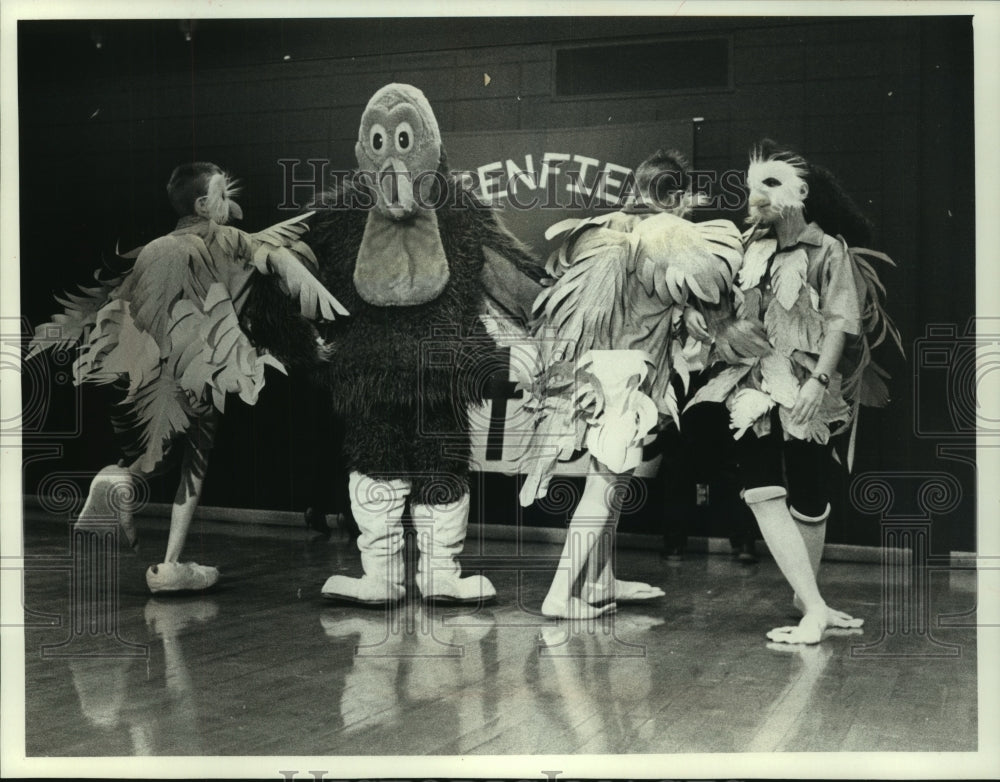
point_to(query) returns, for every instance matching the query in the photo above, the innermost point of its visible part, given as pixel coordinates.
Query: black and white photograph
(510, 391)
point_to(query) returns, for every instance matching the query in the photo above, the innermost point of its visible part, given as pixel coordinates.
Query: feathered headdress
(219, 196)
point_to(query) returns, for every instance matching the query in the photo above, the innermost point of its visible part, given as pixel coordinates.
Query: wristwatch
(822, 377)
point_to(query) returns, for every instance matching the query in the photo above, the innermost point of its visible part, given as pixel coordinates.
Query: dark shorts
(803, 468)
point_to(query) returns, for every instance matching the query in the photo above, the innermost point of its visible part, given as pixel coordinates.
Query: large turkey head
(401, 261)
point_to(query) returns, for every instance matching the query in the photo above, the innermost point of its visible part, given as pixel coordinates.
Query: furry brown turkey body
(409, 259)
(402, 377)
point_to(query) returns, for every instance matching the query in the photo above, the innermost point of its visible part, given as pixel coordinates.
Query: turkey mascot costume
(416, 259)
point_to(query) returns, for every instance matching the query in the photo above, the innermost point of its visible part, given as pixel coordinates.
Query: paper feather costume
(637, 300)
(773, 288)
(169, 328)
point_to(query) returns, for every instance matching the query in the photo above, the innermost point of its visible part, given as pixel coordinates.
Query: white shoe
(110, 499)
(180, 577)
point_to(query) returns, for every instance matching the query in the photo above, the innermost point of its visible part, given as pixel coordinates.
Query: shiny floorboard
(262, 665)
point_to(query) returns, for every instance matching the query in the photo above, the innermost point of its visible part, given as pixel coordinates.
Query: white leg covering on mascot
(441, 531)
(378, 509)
(789, 551)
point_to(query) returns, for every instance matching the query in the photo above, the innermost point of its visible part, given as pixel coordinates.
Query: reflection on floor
(264, 666)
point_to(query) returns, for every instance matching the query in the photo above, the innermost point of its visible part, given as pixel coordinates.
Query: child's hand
(808, 401)
(695, 323)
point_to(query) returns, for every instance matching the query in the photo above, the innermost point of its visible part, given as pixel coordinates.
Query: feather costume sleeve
(170, 328)
(635, 301)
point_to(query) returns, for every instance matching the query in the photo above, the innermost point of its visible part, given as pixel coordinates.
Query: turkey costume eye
(376, 137)
(772, 182)
(404, 136)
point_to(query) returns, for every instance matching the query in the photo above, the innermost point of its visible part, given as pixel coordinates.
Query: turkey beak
(395, 186)
(235, 212)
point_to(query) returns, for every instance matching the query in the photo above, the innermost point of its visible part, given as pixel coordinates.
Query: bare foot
(809, 630)
(623, 592)
(834, 618)
(573, 608)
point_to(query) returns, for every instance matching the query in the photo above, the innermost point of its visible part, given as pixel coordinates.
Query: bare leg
(789, 551)
(600, 576)
(181, 513)
(193, 469)
(601, 586)
(172, 575)
(592, 519)
(813, 532)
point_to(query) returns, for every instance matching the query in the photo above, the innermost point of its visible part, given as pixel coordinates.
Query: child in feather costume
(819, 302)
(169, 329)
(639, 298)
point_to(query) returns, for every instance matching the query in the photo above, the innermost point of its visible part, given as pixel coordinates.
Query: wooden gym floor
(262, 665)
